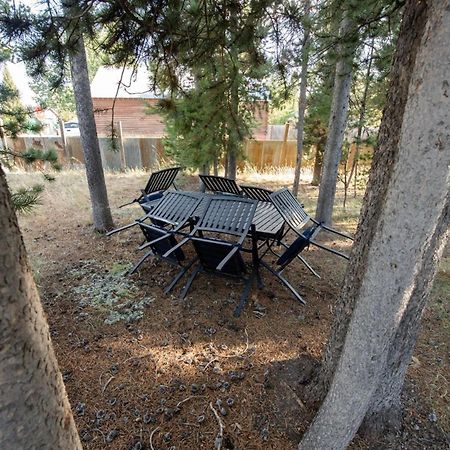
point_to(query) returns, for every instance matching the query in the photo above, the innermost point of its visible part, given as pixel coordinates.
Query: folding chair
(157, 183)
(220, 185)
(168, 218)
(223, 215)
(297, 220)
(256, 193)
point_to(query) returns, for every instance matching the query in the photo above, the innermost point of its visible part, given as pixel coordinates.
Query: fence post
(123, 161)
(62, 130)
(283, 145)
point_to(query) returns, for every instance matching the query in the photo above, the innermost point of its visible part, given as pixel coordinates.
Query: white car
(72, 129)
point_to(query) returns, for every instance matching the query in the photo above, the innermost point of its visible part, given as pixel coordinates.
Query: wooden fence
(263, 154)
(148, 153)
(135, 152)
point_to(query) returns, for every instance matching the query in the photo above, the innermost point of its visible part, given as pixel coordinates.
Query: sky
(17, 70)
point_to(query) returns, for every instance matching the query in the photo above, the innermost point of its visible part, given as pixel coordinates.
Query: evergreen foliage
(24, 199)
(209, 58)
(54, 87)
(18, 118)
(51, 94)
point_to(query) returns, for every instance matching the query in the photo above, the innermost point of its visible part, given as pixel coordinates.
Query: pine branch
(24, 199)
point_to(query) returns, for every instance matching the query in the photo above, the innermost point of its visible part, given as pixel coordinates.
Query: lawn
(145, 370)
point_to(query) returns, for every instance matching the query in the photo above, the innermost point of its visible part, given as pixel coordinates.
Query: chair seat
(150, 200)
(211, 253)
(296, 247)
(146, 198)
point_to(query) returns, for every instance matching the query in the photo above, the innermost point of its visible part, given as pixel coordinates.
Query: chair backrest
(226, 214)
(256, 193)
(220, 184)
(290, 208)
(161, 180)
(175, 207)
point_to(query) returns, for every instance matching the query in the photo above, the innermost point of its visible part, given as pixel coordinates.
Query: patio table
(267, 220)
(267, 226)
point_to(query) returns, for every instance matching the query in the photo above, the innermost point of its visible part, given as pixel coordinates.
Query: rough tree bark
(361, 119)
(89, 140)
(317, 170)
(337, 123)
(302, 98)
(35, 411)
(232, 164)
(400, 237)
(233, 143)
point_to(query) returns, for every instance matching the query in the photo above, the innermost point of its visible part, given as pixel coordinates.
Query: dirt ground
(144, 370)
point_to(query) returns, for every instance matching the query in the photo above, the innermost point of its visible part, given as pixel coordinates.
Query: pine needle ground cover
(143, 369)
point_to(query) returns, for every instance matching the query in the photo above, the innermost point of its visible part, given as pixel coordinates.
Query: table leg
(256, 258)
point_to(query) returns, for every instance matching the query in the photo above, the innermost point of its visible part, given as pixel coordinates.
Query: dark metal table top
(267, 220)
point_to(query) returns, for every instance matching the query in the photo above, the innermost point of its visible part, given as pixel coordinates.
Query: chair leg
(244, 295)
(139, 263)
(285, 282)
(189, 282)
(259, 281)
(303, 260)
(178, 277)
(125, 227)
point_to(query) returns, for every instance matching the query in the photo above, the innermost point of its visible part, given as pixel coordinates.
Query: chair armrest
(339, 233)
(161, 238)
(222, 263)
(179, 245)
(125, 227)
(130, 203)
(324, 247)
(332, 230)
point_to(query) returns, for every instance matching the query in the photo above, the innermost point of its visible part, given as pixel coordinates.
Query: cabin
(132, 98)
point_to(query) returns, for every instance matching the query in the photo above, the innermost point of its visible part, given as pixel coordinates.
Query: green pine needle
(24, 199)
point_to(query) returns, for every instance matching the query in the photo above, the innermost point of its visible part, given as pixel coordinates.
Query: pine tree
(390, 274)
(16, 118)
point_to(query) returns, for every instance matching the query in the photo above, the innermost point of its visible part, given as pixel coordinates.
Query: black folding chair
(160, 227)
(256, 193)
(220, 185)
(223, 216)
(157, 183)
(297, 219)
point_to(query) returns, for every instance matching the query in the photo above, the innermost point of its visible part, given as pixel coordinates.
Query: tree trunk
(400, 237)
(317, 171)
(302, 100)
(233, 143)
(362, 116)
(337, 124)
(203, 171)
(232, 164)
(64, 140)
(3, 136)
(233, 136)
(225, 164)
(35, 411)
(384, 412)
(89, 141)
(216, 166)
